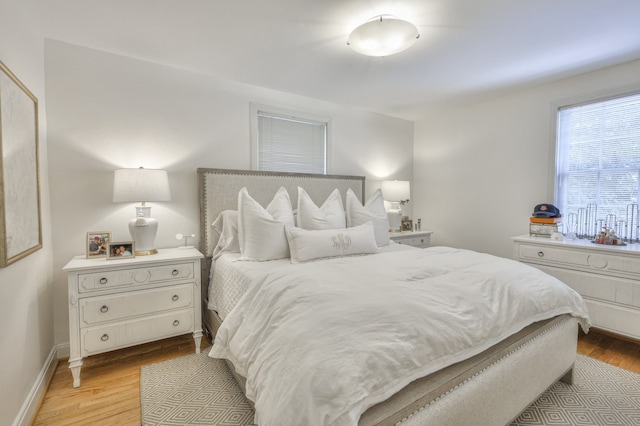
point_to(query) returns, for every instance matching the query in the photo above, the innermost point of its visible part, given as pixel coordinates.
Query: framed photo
(407, 225)
(20, 225)
(97, 244)
(120, 250)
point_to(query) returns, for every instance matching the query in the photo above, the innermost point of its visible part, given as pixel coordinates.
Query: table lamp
(397, 192)
(133, 185)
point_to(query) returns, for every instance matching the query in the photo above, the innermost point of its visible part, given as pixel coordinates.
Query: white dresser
(118, 303)
(420, 239)
(608, 277)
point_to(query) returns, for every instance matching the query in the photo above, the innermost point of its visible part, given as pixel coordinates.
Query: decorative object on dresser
(186, 239)
(97, 243)
(545, 221)
(20, 224)
(113, 305)
(420, 239)
(398, 193)
(120, 250)
(606, 276)
(133, 185)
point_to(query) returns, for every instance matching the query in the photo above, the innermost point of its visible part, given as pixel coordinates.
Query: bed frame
(493, 387)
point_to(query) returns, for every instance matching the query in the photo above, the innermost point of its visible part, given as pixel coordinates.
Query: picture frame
(97, 244)
(20, 216)
(406, 225)
(116, 248)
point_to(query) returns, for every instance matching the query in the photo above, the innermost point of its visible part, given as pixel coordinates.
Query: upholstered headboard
(218, 191)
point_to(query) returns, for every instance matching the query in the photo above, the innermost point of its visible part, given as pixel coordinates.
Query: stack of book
(544, 226)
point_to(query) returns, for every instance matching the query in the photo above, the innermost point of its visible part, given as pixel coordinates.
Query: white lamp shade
(396, 190)
(140, 185)
(384, 35)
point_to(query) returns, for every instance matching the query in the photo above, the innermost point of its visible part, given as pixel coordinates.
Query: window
(287, 141)
(598, 164)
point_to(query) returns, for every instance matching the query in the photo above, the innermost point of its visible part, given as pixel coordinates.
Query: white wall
(26, 308)
(107, 111)
(480, 170)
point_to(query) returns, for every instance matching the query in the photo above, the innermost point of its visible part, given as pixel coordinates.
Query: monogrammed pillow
(306, 245)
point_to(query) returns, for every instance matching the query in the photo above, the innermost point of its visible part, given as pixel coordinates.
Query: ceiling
(468, 50)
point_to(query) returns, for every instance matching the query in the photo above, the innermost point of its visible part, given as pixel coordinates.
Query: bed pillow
(372, 211)
(226, 225)
(261, 231)
(328, 216)
(308, 245)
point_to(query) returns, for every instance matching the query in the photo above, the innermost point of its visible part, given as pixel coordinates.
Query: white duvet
(321, 342)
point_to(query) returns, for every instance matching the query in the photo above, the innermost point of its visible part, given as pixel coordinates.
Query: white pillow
(372, 211)
(261, 231)
(307, 245)
(329, 216)
(226, 225)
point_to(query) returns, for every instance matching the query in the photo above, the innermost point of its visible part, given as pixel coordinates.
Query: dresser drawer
(134, 276)
(621, 291)
(108, 337)
(415, 239)
(582, 260)
(96, 310)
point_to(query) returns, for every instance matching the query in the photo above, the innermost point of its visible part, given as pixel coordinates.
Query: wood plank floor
(110, 390)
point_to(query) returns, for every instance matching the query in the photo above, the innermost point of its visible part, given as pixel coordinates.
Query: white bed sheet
(230, 277)
(319, 343)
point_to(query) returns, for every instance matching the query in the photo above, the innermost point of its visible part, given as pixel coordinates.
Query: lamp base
(143, 229)
(394, 216)
(146, 252)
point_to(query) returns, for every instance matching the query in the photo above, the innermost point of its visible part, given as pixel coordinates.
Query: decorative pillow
(261, 231)
(372, 211)
(307, 245)
(329, 216)
(226, 225)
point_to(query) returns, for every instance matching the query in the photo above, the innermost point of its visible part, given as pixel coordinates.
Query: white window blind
(290, 143)
(598, 156)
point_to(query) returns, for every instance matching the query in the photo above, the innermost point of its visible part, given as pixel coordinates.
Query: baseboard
(63, 350)
(31, 405)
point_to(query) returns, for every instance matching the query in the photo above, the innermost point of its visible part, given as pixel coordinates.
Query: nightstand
(114, 304)
(420, 239)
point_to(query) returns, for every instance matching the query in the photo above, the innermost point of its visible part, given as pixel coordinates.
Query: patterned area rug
(198, 390)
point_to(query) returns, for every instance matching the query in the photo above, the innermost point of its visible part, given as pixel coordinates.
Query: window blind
(290, 144)
(598, 156)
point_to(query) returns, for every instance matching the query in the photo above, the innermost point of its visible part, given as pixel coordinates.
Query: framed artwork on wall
(20, 222)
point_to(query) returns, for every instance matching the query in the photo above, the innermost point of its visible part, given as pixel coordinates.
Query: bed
(489, 381)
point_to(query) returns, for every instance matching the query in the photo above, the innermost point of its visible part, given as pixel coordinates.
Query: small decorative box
(544, 229)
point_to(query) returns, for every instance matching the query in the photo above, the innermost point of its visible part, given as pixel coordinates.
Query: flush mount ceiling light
(383, 35)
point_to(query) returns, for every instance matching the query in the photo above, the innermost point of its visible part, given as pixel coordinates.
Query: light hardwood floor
(110, 389)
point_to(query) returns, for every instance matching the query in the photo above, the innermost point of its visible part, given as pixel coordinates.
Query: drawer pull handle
(540, 254)
(103, 280)
(104, 337)
(174, 272)
(175, 297)
(104, 309)
(176, 323)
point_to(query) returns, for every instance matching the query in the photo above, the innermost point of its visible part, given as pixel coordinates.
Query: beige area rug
(198, 390)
